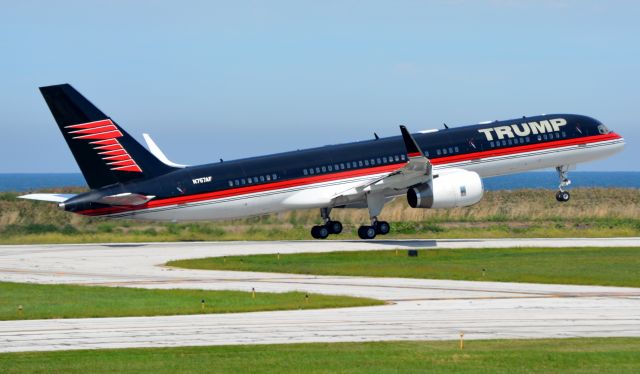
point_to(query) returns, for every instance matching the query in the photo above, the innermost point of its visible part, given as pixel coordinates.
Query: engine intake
(451, 190)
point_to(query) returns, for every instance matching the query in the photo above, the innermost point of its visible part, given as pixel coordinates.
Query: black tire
(382, 227)
(367, 232)
(565, 196)
(559, 196)
(319, 232)
(334, 227)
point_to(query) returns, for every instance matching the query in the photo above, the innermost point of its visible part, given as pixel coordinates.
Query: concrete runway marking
(416, 308)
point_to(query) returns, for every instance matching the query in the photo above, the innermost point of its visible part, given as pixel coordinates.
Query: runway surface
(418, 308)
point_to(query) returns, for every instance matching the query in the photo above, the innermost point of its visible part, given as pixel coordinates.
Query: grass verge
(593, 266)
(69, 301)
(603, 355)
(592, 212)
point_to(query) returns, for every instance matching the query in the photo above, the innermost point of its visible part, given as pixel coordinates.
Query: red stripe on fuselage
(347, 174)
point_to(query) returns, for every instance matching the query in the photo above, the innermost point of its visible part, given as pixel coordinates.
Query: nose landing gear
(563, 173)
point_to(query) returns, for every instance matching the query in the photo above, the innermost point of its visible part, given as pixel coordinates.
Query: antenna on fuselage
(376, 135)
(445, 126)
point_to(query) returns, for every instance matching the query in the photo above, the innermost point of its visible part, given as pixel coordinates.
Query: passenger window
(243, 181)
(438, 152)
(360, 163)
(444, 151)
(527, 139)
(324, 169)
(262, 178)
(509, 142)
(269, 177)
(336, 167)
(379, 161)
(372, 161)
(491, 144)
(305, 172)
(564, 134)
(504, 142)
(330, 168)
(311, 171)
(450, 150)
(317, 170)
(341, 166)
(230, 183)
(384, 159)
(274, 176)
(456, 149)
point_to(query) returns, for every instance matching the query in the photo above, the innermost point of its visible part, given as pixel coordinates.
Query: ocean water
(549, 180)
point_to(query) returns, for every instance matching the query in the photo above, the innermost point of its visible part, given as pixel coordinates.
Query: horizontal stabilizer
(125, 199)
(51, 197)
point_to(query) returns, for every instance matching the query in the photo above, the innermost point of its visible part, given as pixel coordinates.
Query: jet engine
(455, 189)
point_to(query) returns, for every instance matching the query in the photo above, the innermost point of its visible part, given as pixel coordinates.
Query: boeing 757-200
(433, 169)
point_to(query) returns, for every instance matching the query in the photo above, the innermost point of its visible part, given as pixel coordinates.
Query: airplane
(438, 168)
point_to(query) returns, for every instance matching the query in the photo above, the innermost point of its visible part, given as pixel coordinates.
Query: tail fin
(105, 153)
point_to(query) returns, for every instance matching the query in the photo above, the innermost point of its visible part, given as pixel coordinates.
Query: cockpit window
(602, 129)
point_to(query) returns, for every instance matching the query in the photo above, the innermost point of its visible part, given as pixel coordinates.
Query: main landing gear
(375, 202)
(330, 227)
(376, 228)
(563, 173)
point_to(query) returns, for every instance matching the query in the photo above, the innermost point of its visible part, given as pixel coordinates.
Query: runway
(418, 308)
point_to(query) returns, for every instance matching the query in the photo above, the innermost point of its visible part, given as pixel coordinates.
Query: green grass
(527, 213)
(595, 266)
(68, 301)
(605, 355)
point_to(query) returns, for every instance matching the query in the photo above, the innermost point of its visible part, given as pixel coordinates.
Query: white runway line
(420, 309)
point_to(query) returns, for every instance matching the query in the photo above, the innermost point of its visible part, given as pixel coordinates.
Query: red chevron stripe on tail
(105, 134)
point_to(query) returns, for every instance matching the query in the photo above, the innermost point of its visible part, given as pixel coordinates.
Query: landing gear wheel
(367, 232)
(559, 196)
(319, 232)
(382, 227)
(334, 227)
(563, 196)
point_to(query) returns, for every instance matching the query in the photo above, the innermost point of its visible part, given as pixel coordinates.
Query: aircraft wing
(417, 170)
(125, 199)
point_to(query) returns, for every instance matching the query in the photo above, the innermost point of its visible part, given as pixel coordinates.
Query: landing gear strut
(329, 227)
(563, 173)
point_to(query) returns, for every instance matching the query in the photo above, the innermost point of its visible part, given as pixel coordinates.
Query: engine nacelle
(451, 190)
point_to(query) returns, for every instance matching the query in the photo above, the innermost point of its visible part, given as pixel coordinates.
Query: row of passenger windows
(389, 159)
(354, 164)
(253, 180)
(445, 151)
(526, 139)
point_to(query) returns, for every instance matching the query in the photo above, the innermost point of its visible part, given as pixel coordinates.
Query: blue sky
(213, 80)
